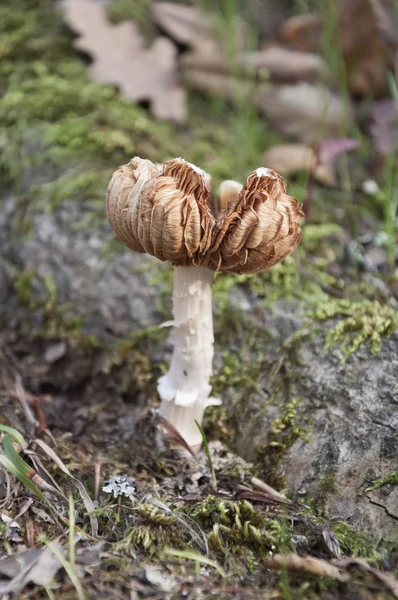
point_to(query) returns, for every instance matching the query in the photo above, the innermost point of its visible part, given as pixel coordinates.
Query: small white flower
(380, 239)
(370, 187)
(121, 485)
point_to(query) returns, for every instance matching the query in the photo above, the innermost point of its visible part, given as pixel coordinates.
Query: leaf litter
(121, 58)
(239, 492)
(297, 107)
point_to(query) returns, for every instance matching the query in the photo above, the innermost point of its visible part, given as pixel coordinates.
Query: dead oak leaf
(366, 33)
(121, 58)
(185, 24)
(369, 43)
(304, 111)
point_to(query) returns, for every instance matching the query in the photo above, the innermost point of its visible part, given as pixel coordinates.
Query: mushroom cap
(165, 210)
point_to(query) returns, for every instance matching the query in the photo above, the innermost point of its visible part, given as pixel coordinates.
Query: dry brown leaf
(383, 126)
(189, 26)
(304, 111)
(331, 541)
(306, 564)
(223, 85)
(387, 578)
(284, 65)
(121, 58)
(289, 159)
(368, 40)
(184, 23)
(278, 64)
(303, 32)
(32, 566)
(268, 498)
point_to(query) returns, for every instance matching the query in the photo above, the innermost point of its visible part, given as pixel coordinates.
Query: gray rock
(352, 407)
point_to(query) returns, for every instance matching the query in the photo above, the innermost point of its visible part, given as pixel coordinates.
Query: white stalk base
(185, 389)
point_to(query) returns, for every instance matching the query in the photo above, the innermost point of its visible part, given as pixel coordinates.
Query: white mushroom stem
(185, 389)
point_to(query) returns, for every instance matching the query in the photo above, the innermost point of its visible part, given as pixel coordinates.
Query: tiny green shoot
(207, 451)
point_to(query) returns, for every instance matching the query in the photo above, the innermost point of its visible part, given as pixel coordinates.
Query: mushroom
(165, 210)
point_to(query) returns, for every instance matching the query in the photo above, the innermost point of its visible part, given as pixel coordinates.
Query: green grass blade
(88, 503)
(392, 84)
(70, 571)
(71, 532)
(207, 450)
(198, 558)
(24, 472)
(19, 470)
(18, 437)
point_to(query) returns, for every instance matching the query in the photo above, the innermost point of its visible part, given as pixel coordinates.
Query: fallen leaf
(369, 42)
(45, 568)
(306, 564)
(121, 58)
(42, 514)
(189, 26)
(303, 32)
(55, 352)
(184, 23)
(90, 555)
(219, 84)
(171, 433)
(331, 541)
(12, 566)
(384, 125)
(267, 498)
(368, 38)
(290, 159)
(387, 578)
(161, 579)
(32, 566)
(275, 64)
(304, 111)
(284, 65)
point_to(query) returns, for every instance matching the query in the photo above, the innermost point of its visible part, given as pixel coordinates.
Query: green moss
(49, 319)
(70, 122)
(151, 532)
(129, 359)
(287, 421)
(296, 278)
(74, 184)
(241, 375)
(327, 481)
(366, 321)
(134, 10)
(288, 426)
(240, 535)
(217, 423)
(52, 115)
(355, 543)
(389, 479)
(23, 287)
(284, 431)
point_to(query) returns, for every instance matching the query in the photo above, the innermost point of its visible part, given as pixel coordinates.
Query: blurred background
(306, 353)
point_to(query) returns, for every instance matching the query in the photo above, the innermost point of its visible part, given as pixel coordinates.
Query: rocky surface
(350, 409)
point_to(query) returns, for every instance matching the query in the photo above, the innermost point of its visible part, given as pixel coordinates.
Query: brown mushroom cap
(166, 212)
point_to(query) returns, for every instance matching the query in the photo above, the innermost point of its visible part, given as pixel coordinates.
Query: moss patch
(389, 479)
(363, 321)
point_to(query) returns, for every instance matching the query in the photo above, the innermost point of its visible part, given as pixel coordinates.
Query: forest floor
(96, 501)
